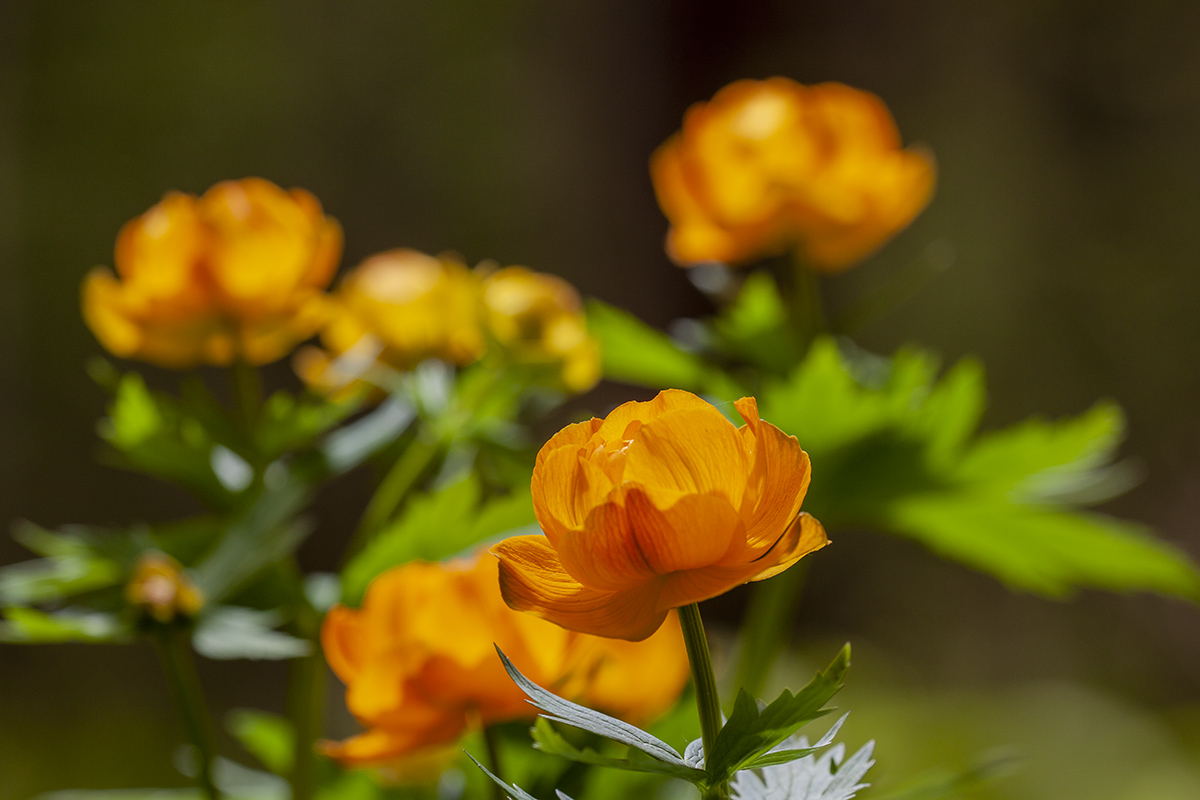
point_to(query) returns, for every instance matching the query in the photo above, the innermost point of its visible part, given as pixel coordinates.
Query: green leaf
(267, 737)
(823, 778)
(230, 632)
(31, 626)
(53, 579)
(634, 352)
(436, 526)
(751, 732)
(548, 740)
(289, 423)
(513, 791)
(755, 326)
(1045, 550)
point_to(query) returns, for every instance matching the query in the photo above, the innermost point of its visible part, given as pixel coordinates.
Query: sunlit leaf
(31, 626)
(231, 632)
(267, 737)
(636, 353)
(551, 741)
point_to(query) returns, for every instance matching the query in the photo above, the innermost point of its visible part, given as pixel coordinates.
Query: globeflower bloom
(160, 590)
(420, 666)
(658, 505)
(772, 166)
(236, 274)
(539, 318)
(398, 308)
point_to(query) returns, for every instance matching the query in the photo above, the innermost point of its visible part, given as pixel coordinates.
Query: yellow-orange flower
(420, 668)
(161, 590)
(659, 505)
(397, 308)
(235, 274)
(771, 166)
(539, 318)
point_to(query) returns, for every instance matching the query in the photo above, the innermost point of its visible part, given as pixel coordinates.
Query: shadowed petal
(532, 579)
(778, 478)
(697, 531)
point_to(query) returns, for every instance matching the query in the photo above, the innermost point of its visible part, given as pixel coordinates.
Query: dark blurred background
(1068, 139)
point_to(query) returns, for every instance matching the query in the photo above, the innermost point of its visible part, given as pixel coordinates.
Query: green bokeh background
(1069, 203)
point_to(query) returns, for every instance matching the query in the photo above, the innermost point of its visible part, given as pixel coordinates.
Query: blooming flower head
(399, 308)
(539, 318)
(159, 589)
(658, 505)
(420, 667)
(772, 166)
(237, 273)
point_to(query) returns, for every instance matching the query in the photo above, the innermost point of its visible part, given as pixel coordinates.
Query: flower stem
(306, 695)
(175, 653)
(398, 481)
(247, 393)
(708, 702)
(491, 742)
(808, 312)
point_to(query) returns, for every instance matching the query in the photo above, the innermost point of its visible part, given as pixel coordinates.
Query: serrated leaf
(436, 526)
(782, 756)
(232, 632)
(755, 326)
(810, 778)
(557, 709)
(513, 791)
(751, 731)
(551, 741)
(633, 352)
(267, 737)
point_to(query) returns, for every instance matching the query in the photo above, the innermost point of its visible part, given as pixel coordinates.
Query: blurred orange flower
(161, 590)
(420, 668)
(771, 166)
(659, 505)
(235, 274)
(539, 318)
(399, 308)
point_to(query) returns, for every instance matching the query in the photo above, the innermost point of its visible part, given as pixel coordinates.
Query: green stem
(708, 702)
(492, 744)
(247, 393)
(400, 479)
(306, 696)
(175, 653)
(808, 312)
(764, 632)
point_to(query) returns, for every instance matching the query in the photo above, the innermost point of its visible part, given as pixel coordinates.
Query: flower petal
(805, 536)
(666, 401)
(604, 555)
(696, 531)
(566, 487)
(342, 642)
(691, 451)
(532, 579)
(777, 482)
(575, 436)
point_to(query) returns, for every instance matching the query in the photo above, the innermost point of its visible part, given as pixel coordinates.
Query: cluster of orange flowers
(420, 667)
(240, 273)
(659, 505)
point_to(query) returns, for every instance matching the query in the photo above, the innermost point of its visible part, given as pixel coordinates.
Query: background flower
(235, 274)
(770, 166)
(659, 505)
(420, 667)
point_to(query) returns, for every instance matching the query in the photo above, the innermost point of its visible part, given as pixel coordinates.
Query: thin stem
(808, 312)
(768, 619)
(400, 479)
(306, 696)
(180, 669)
(491, 743)
(247, 393)
(708, 702)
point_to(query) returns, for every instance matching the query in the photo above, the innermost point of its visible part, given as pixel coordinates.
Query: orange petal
(532, 579)
(576, 435)
(778, 480)
(691, 451)
(565, 488)
(604, 555)
(342, 642)
(805, 536)
(383, 746)
(696, 531)
(666, 401)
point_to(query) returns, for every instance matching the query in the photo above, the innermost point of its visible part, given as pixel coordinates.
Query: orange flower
(159, 589)
(420, 668)
(659, 505)
(235, 274)
(539, 318)
(399, 308)
(771, 166)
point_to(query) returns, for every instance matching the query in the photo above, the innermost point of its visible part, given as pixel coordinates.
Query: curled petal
(566, 487)
(805, 536)
(532, 579)
(381, 745)
(696, 531)
(606, 556)
(613, 426)
(778, 478)
(574, 436)
(342, 641)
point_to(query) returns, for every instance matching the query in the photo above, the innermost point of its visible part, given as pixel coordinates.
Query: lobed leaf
(634, 352)
(551, 741)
